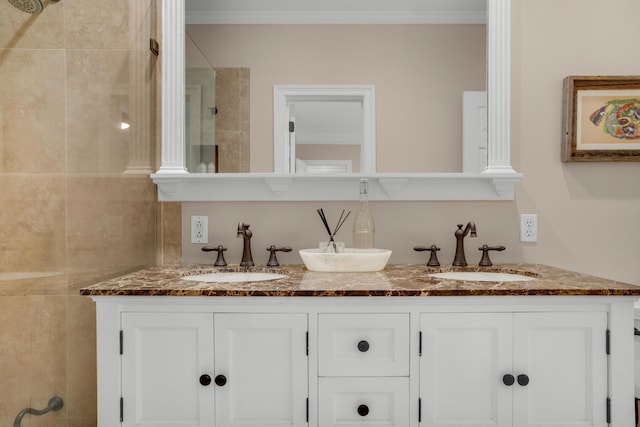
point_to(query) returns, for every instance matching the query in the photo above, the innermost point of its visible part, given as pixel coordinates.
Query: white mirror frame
(496, 182)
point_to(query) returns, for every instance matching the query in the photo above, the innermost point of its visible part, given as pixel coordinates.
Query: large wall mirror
(419, 57)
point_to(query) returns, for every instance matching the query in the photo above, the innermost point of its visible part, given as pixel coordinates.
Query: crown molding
(336, 17)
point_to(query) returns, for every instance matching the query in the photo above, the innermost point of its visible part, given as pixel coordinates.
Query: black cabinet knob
(205, 379)
(220, 380)
(363, 346)
(523, 379)
(508, 379)
(363, 410)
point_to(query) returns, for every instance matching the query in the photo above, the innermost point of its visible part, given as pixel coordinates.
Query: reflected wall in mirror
(328, 135)
(420, 72)
(217, 130)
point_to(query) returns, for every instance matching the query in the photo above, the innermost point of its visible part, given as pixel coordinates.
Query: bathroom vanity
(394, 348)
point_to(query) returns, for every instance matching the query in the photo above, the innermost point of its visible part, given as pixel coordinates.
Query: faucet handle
(485, 261)
(273, 261)
(433, 259)
(220, 261)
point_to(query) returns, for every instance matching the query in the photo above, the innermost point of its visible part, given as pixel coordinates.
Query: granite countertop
(394, 280)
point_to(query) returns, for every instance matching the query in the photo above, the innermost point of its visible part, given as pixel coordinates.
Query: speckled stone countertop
(394, 280)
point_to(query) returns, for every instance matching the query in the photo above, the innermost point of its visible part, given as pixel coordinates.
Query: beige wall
(419, 72)
(587, 213)
(76, 202)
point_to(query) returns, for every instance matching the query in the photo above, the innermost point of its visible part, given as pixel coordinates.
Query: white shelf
(301, 187)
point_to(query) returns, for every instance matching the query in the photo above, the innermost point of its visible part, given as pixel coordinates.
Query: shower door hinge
(154, 47)
(121, 409)
(307, 343)
(608, 410)
(420, 345)
(307, 409)
(292, 127)
(608, 342)
(121, 342)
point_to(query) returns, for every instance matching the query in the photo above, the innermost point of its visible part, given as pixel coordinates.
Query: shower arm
(55, 403)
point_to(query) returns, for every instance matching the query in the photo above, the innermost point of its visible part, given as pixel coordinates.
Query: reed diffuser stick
(341, 221)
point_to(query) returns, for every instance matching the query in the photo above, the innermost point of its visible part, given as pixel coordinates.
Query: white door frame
(284, 94)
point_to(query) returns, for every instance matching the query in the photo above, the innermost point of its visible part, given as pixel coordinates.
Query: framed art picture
(601, 119)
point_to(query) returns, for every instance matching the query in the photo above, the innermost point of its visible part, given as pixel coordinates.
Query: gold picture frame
(601, 119)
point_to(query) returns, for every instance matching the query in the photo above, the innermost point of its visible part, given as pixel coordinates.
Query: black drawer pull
(363, 410)
(363, 346)
(523, 380)
(205, 379)
(508, 380)
(221, 380)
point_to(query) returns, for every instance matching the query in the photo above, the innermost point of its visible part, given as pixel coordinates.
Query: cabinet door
(263, 359)
(563, 356)
(163, 357)
(464, 357)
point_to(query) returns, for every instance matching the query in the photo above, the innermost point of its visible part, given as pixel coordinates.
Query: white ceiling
(334, 11)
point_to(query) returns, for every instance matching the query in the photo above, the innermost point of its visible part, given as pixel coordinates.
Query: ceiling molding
(336, 17)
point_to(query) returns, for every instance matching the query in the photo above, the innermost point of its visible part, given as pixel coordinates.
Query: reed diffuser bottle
(363, 226)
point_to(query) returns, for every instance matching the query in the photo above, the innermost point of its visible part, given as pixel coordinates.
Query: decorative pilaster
(173, 80)
(499, 83)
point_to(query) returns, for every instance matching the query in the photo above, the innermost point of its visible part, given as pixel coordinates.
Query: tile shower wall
(76, 203)
(232, 120)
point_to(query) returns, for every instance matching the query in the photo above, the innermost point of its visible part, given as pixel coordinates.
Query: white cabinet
(193, 368)
(264, 362)
(163, 357)
(364, 361)
(520, 369)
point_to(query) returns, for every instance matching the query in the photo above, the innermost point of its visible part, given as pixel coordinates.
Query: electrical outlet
(199, 229)
(528, 228)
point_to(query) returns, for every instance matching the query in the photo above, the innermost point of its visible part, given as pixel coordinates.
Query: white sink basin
(482, 276)
(349, 261)
(235, 276)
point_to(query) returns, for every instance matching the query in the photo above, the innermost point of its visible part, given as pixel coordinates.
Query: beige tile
(32, 111)
(81, 358)
(170, 233)
(98, 95)
(245, 148)
(245, 97)
(228, 150)
(15, 350)
(111, 223)
(33, 340)
(32, 223)
(92, 25)
(23, 30)
(228, 98)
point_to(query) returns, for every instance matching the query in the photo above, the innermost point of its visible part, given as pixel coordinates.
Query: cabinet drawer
(363, 401)
(363, 345)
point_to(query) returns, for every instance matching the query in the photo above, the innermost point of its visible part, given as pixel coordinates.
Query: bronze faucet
(460, 260)
(245, 233)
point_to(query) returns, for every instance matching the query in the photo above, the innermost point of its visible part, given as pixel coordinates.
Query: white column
(499, 83)
(173, 78)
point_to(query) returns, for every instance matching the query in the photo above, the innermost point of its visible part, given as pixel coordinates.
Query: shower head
(29, 6)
